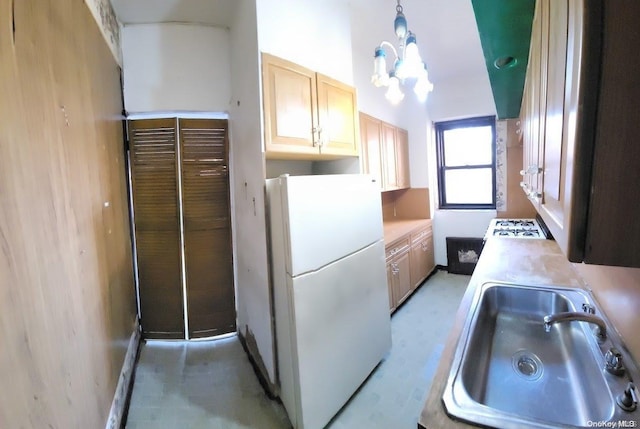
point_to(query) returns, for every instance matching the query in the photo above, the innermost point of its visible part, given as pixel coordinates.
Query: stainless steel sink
(509, 372)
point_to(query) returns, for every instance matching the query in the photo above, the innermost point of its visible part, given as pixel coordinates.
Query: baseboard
(121, 396)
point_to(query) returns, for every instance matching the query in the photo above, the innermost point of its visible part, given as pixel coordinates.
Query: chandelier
(408, 67)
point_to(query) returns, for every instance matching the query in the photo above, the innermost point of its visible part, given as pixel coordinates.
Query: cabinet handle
(425, 247)
(535, 195)
(394, 268)
(317, 142)
(532, 169)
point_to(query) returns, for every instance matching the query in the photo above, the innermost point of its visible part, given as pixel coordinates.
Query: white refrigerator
(329, 282)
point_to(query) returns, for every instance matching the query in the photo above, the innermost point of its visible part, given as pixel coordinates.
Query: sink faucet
(601, 328)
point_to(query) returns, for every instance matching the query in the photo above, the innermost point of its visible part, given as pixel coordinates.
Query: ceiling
(450, 40)
(505, 32)
(218, 13)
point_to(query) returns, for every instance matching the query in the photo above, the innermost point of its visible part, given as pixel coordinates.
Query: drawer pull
(394, 268)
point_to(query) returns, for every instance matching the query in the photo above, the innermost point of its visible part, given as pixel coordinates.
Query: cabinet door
(154, 179)
(613, 229)
(206, 209)
(391, 286)
(554, 162)
(533, 97)
(402, 158)
(402, 276)
(389, 163)
(290, 109)
(337, 117)
(422, 262)
(370, 140)
(418, 264)
(398, 270)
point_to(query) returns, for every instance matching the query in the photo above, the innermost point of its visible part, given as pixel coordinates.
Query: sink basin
(508, 372)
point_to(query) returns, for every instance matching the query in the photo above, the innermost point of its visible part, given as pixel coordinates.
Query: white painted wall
(253, 296)
(462, 98)
(176, 67)
(349, 165)
(277, 167)
(466, 97)
(313, 33)
(457, 223)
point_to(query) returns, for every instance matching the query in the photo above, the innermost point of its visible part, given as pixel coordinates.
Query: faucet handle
(588, 308)
(628, 400)
(613, 359)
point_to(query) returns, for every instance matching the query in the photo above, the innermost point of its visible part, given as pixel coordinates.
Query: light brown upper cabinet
(402, 158)
(385, 152)
(580, 127)
(370, 139)
(306, 115)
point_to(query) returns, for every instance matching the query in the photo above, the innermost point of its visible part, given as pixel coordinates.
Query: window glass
(469, 186)
(468, 146)
(466, 157)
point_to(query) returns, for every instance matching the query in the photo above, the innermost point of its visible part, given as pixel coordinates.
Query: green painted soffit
(505, 31)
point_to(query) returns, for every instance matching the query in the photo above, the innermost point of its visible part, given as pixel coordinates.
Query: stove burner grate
(515, 223)
(517, 228)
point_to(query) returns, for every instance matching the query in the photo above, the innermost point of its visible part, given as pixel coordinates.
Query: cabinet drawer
(420, 235)
(397, 247)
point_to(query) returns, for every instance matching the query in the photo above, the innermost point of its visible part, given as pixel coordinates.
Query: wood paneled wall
(67, 306)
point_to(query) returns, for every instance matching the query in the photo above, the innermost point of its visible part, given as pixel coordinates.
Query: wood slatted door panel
(207, 227)
(157, 226)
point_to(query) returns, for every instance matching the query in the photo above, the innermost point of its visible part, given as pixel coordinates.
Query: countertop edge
(398, 228)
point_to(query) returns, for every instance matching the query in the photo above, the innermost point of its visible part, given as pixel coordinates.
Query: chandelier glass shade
(408, 67)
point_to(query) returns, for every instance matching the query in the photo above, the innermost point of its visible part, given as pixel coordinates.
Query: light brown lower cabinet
(398, 272)
(422, 256)
(410, 259)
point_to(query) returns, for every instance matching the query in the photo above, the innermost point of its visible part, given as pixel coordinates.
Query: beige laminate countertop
(537, 262)
(397, 228)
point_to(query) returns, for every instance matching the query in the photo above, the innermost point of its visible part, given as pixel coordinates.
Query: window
(466, 156)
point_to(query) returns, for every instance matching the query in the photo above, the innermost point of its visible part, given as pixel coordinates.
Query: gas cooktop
(515, 228)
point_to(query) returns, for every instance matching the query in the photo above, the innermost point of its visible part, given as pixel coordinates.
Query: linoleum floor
(212, 384)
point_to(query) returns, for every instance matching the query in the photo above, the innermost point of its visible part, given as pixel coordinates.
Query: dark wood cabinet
(182, 224)
(580, 128)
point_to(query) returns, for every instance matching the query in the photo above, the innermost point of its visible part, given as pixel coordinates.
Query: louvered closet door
(157, 226)
(207, 227)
